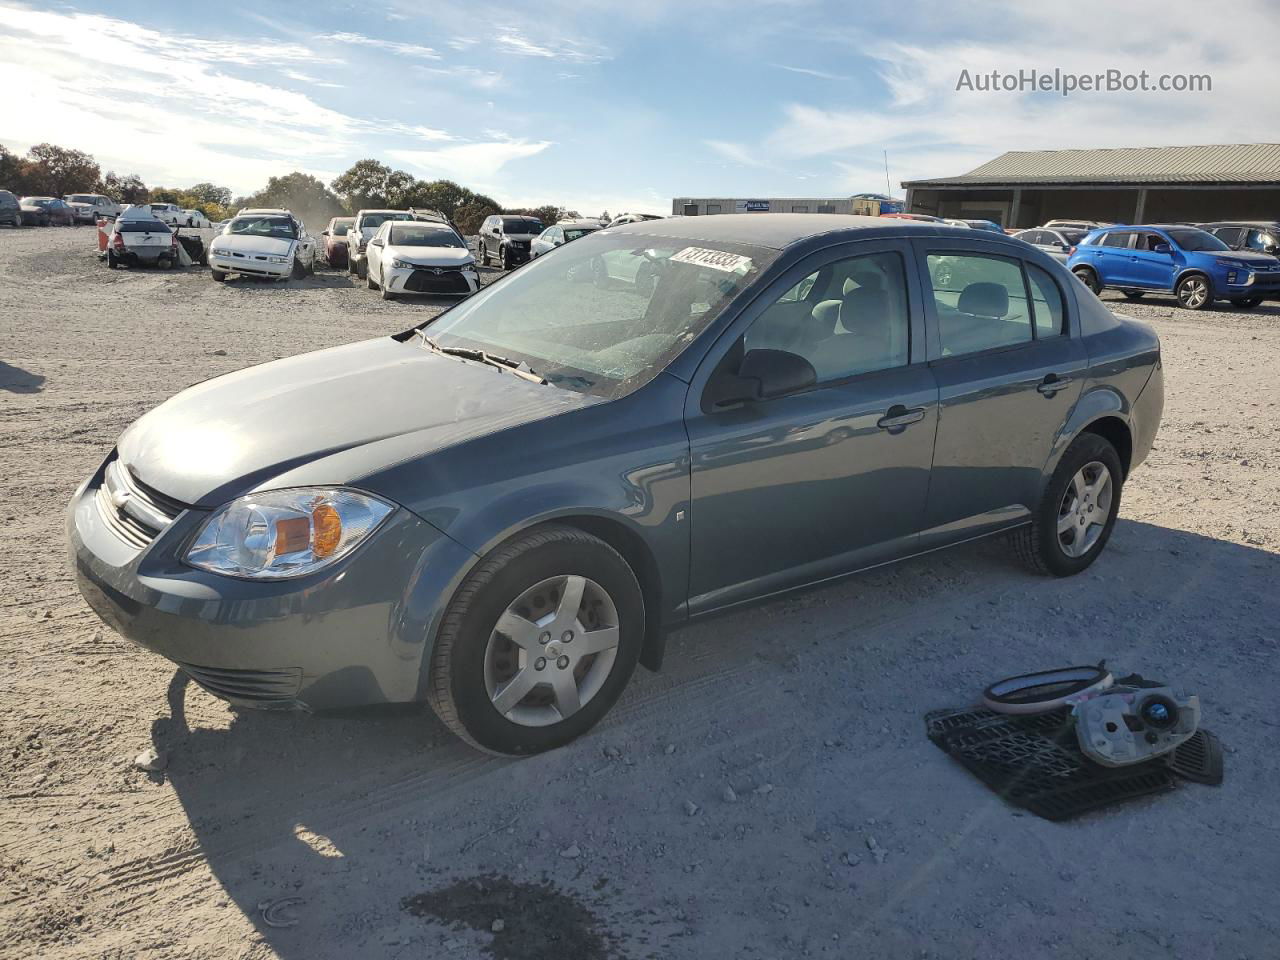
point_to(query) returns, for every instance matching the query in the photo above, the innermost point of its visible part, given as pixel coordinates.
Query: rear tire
(1056, 542)
(1087, 276)
(473, 661)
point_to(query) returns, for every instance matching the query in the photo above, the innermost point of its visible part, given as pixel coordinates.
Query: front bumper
(432, 280)
(250, 264)
(1252, 284)
(516, 254)
(354, 634)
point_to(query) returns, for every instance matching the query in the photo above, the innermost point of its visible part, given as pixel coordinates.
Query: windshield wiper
(518, 367)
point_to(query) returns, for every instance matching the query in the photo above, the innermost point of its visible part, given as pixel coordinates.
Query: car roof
(340, 219)
(584, 222)
(1241, 223)
(780, 230)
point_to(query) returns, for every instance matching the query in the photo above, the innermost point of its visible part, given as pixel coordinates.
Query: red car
(335, 241)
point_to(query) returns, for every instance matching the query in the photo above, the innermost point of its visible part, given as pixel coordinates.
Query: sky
(599, 104)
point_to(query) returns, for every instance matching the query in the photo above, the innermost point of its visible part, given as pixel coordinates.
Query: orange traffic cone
(103, 234)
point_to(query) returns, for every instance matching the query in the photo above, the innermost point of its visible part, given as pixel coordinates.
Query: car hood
(430, 256)
(244, 243)
(1250, 257)
(329, 417)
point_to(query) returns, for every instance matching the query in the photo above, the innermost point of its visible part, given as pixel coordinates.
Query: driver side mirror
(324, 233)
(763, 375)
(1162, 248)
(376, 241)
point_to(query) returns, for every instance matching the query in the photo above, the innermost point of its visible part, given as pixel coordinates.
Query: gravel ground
(769, 794)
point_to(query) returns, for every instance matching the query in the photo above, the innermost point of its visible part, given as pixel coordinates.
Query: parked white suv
(88, 207)
(362, 231)
(169, 213)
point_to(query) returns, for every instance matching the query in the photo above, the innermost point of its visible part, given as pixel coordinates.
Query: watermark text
(1066, 83)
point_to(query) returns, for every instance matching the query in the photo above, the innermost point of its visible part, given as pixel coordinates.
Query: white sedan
(194, 218)
(270, 246)
(420, 256)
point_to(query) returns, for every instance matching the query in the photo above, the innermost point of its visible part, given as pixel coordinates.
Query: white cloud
(308, 79)
(394, 46)
(736, 152)
(931, 129)
(809, 72)
(565, 49)
(472, 76)
(477, 163)
(168, 106)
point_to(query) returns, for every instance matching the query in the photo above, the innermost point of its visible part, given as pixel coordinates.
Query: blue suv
(1193, 265)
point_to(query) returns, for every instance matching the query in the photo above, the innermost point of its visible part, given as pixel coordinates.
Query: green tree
(363, 185)
(123, 189)
(301, 193)
(59, 171)
(210, 194)
(470, 215)
(12, 171)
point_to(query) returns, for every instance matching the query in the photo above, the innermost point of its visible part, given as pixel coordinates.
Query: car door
(802, 487)
(375, 248)
(1149, 267)
(1113, 258)
(1004, 347)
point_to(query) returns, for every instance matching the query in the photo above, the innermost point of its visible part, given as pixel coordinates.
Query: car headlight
(277, 259)
(278, 534)
(469, 265)
(402, 264)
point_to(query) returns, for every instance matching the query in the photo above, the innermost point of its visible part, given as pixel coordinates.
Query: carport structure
(1122, 185)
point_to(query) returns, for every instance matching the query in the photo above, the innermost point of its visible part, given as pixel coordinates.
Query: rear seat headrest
(984, 300)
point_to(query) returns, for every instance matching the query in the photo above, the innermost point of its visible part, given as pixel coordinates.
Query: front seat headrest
(984, 300)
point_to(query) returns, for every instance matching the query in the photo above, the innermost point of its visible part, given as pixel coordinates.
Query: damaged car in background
(267, 244)
(504, 509)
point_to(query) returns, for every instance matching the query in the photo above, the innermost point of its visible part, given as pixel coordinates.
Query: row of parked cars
(87, 208)
(414, 251)
(1198, 263)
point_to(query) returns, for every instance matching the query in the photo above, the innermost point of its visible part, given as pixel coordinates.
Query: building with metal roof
(1122, 185)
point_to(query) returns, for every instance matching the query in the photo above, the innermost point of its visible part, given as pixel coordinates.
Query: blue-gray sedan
(504, 510)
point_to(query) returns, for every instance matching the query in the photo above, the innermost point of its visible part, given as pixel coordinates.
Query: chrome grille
(134, 511)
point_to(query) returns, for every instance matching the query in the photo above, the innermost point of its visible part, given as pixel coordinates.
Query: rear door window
(1120, 238)
(981, 302)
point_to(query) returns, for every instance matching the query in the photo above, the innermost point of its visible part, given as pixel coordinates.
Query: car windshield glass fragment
(604, 315)
(341, 229)
(415, 235)
(520, 225)
(281, 228)
(1195, 240)
(573, 233)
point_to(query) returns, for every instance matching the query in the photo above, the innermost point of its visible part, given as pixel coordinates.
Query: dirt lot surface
(846, 834)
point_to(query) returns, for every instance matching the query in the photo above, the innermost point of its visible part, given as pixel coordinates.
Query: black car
(1262, 236)
(506, 239)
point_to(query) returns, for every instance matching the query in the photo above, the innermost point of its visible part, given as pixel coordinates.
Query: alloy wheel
(551, 651)
(1193, 292)
(1085, 508)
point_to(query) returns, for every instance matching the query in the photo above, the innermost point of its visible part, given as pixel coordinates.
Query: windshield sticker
(715, 259)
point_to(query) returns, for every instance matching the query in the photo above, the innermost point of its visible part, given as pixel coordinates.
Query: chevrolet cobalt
(504, 510)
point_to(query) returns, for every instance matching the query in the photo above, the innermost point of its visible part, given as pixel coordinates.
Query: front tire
(218, 276)
(1077, 511)
(382, 283)
(368, 280)
(1194, 292)
(538, 643)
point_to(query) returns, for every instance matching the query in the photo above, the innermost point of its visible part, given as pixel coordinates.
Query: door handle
(899, 418)
(1052, 383)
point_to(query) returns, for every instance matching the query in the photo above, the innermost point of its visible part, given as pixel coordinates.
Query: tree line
(50, 170)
